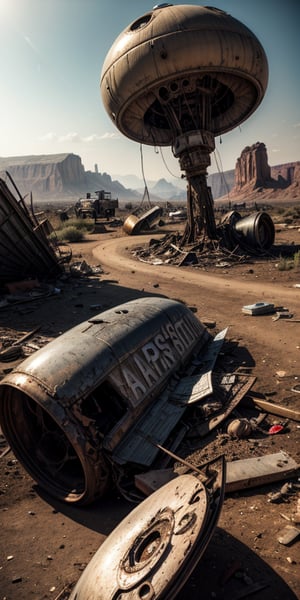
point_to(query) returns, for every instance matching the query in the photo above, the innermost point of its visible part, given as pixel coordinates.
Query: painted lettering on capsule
(150, 364)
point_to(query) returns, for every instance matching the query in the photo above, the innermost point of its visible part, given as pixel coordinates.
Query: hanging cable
(146, 191)
(163, 159)
(217, 158)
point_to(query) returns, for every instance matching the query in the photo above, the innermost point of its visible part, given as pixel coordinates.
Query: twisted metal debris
(25, 250)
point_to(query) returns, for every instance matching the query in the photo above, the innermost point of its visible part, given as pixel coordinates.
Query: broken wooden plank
(293, 321)
(251, 472)
(26, 336)
(5, 451)
(207, 426)
(240, 474)
(276, 409)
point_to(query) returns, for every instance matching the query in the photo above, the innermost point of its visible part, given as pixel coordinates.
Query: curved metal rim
(51, 484)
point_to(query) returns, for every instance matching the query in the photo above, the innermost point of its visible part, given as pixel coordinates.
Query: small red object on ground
(275, 429)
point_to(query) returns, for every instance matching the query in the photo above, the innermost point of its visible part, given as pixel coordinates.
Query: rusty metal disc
(143, 556)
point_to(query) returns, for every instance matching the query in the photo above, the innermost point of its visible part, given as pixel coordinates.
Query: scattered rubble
(78, 268)
(167, 250)
(239, 428)
(13, 349)
(201, 440)
(205, 254)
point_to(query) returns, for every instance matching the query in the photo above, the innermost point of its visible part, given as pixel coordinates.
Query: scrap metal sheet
(193, 388)
(139, 445)
(24, 250)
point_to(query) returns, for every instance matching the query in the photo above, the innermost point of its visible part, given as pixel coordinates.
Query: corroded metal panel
(192, 388)
(24, 248)
(66, 407)
(140, 443)
(137, 344)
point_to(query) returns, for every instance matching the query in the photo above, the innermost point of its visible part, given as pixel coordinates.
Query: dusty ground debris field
(45, 544)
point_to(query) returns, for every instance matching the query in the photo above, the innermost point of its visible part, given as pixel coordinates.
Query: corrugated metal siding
(24, 249)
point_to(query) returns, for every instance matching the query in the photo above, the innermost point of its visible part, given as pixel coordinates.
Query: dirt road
(219, 298)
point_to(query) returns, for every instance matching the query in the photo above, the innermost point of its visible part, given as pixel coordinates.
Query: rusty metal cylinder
(67, 407)
(256, 230)
(134, 224)
(131, 224)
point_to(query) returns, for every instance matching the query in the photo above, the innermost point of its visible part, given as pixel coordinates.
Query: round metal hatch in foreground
(148, 550)
(182, 68)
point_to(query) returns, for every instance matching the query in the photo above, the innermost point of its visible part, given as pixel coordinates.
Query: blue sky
(52, 53)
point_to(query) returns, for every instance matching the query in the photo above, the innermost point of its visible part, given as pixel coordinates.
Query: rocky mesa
(58, 176)
(62, 176)
(255, 179)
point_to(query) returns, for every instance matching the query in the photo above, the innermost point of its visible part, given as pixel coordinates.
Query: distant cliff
(62, 176)
(45, 174)
(58, 176)
(252, 167)
(255, 179)
(253, 171)
(287, 174)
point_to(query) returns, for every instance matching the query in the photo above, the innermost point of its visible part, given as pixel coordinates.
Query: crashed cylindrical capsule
(65, 409)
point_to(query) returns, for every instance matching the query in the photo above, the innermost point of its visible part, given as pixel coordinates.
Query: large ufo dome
(180, 68)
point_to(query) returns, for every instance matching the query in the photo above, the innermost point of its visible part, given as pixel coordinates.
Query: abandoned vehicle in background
(99, 205)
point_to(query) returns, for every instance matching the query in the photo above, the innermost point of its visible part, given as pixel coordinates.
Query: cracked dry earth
(45, 544)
